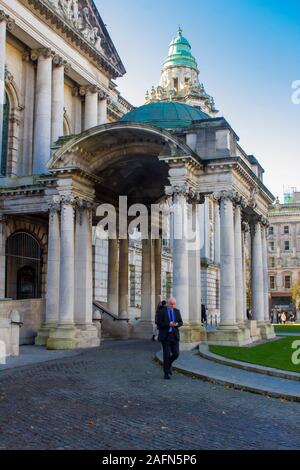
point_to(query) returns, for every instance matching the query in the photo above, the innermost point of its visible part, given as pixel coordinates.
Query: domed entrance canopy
(123, 158)
(166, 115)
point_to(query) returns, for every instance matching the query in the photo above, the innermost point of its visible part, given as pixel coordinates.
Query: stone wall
(210, 285)
(31, 315)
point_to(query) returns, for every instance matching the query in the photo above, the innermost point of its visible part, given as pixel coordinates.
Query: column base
(43, 334)
(63, 337)
(144, 330)
(266, 330)
(88, 336)
(114, 329)
(226, 336)
(191, 335)
(255, 333)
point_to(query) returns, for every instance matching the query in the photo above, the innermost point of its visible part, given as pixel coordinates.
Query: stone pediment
(84, 19)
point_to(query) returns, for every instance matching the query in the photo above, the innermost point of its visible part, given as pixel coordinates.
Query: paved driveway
(114, 397)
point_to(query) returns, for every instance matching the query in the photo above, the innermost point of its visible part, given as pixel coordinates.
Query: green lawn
(290, 328)
(275, 354)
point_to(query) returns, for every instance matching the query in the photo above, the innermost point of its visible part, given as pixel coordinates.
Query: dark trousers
(171, 351)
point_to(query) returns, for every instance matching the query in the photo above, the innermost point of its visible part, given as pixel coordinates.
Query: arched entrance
(147, 165)
(23, 266)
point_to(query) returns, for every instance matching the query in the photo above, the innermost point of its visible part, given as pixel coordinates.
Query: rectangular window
(286, 230)
(271, 246)
(175, 82)
(132, 285)
(272, 262)
(271, 230)
(286, 246)
(287, 282)
(272, 282)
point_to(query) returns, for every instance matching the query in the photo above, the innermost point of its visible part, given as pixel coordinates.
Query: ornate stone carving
(60, 62)
(253, 197)
(82, 207)
(9, 78)
(231, 195)
(10, 23)
(36, 53)
(190, 194)
(54, 207)
(80, 15)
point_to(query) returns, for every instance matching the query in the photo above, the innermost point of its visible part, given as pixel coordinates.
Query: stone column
(53, 272)
(244, 241)
(64, 336)
(91, 107)
(123, 279)
(25, 162)
(239, 279)
(58, 99)
(113, 276)
(229, 331)
(227, 288)
(6, 23)
(265, 274)
(217, 233)
(3, 21)
(83, 311)
(158, 269)
(194, 265)
(102, 110)
(43, 104)
(2, 255)
(257, 273)
(83, 308)
(180, 256)
(194, 270)
(145, 327)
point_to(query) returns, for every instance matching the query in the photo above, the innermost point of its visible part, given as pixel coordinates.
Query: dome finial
(179, 32)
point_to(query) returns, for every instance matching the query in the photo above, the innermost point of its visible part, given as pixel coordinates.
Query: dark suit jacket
(163, 323)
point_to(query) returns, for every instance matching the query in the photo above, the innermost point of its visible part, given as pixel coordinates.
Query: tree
(295, 291)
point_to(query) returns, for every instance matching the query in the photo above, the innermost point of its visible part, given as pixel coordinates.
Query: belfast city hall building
(69, 143)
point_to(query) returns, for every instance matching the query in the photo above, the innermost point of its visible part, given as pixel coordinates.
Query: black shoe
(167, 377)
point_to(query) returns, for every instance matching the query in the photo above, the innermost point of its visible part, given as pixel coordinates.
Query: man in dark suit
(168, 322)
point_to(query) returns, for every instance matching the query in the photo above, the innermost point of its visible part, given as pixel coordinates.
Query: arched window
(5, 135)
(23, 266)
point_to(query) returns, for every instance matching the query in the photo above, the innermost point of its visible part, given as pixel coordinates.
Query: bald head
(172, 302)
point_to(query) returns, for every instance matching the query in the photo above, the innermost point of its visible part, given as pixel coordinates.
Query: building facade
(284, 251)
(70, 143)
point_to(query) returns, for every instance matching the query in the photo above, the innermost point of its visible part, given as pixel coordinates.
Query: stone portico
(69, 142)
(170, 170)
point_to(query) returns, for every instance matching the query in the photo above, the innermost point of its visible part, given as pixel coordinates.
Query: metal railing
(104, 310)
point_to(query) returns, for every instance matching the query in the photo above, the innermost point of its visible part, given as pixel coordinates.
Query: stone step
(192, 364)
(206, 354)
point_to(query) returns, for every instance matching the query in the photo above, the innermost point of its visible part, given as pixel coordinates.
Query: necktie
(171, 319)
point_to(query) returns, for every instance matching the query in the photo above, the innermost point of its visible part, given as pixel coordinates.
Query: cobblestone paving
(115, 398)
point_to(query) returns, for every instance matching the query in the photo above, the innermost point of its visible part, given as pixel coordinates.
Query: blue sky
(248, 52)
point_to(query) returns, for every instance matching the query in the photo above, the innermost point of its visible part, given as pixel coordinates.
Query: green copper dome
(180, 53)
(166, 115)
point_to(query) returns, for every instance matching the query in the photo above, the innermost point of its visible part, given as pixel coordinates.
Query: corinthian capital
(60, 62)
(68, 200)
(54, 206)
(43, 52)
(190, 194)
(229, 195)
(10, 23)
